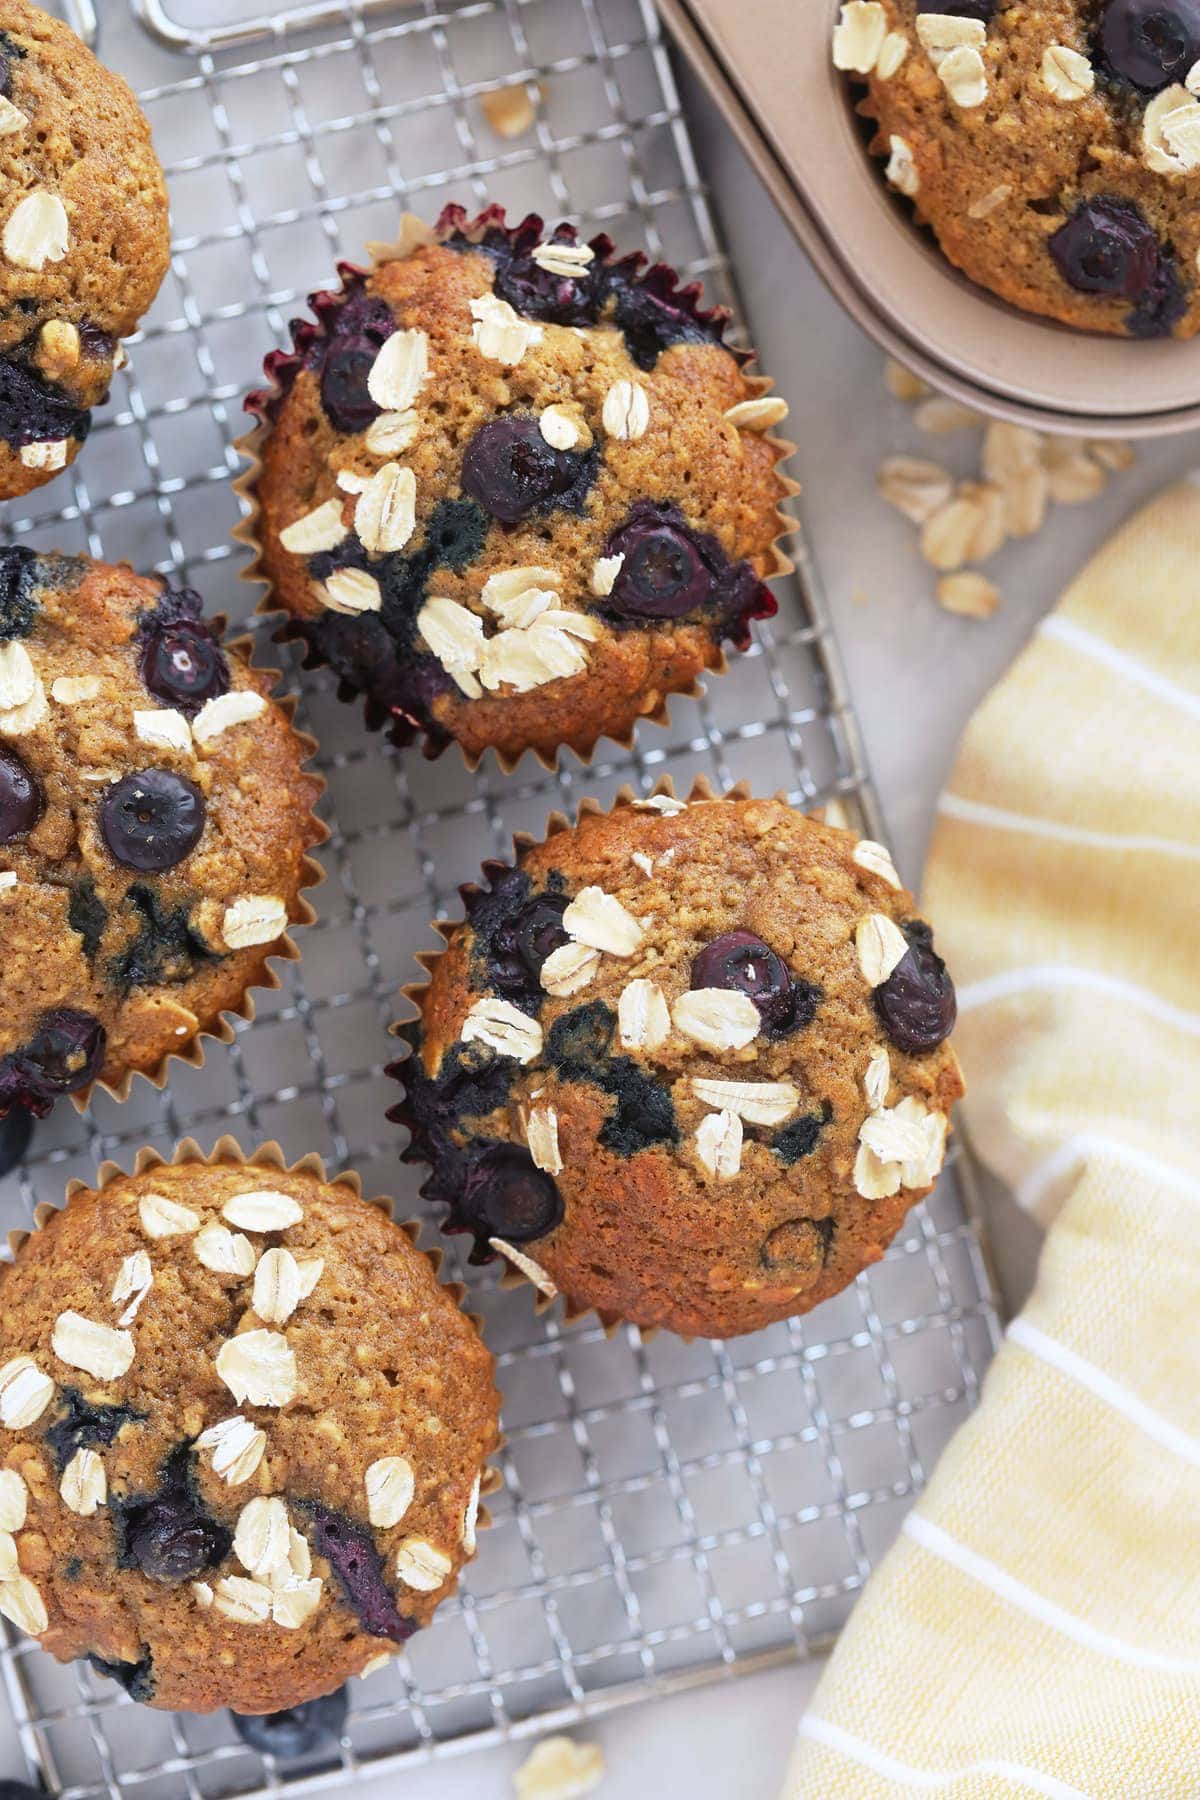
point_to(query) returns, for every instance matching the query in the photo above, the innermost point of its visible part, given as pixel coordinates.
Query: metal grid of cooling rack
(672, 1512)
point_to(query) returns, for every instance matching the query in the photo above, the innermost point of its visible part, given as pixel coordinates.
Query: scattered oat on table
(512, 111)
(559, 1769)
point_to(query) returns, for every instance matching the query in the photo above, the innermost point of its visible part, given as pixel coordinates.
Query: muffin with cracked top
(1052, 145)
(243, 1431)
(513, 489)
(84, 239)
(155, 823)
(684, 1063)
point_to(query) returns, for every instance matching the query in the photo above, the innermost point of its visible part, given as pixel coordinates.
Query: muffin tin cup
(413, 233)
(795, 116)
(284, 950)
(270, 1156)
(524, 1271)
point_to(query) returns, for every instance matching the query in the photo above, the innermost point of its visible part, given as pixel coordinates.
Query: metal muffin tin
(794, 114)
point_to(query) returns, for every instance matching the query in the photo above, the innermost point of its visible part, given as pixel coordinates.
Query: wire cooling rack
(672, 1512)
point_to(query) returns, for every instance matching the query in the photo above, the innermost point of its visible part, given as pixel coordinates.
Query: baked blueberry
(984, 10)
(137, 1678)
(18, 608)
(344, 394)
(182, 663)
(917, 1003)
(519, 947)
(512, 471)
(82, 1424)
(506, 1195)
(1151, 43)
(153, 820)
(350, 1552)
(1106, 247)
(663, 575)
(741, 961)
(31, 411)
(21, 797)
(296, 1732)
(16, 1129)
(64, 1054)
(168, 1535)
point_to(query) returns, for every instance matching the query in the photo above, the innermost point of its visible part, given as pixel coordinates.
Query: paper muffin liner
(523, 1269)
(270, 1155)
(263, 977)
(281, 368)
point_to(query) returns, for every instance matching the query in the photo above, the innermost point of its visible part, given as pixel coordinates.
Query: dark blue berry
(18, 1790)
(983, 10)
(181, 661)
(800, 1137)
(671, 571)
(137, 1678)
(344, 393)
(512, 471)
(82, 1424)
(18, 609)
(15, 1132)
(298, 1731)
(21, 797)
(168, 1535)
(153, 820)
(31, 411)
(349, 1549)
(559, 299)
(743, 962)
(506, 1195)
(520, 946)
(64, 1054)
(917, 1004)
(1150, 43)
(1107, 248)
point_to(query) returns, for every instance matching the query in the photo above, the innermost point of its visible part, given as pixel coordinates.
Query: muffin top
(154, 823)
(515, 490)
(1052, 145)
(685, 1063)
(84, 240)
(242, 1432)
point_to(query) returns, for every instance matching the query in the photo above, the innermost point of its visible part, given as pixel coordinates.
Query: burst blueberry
(1151, 43)
(296, 1732)
(64, 1054)
(520, 946)
(663, 575)
(916, 1004)
(1106, 248)
(181, 662)
(512, 471)
(168, 1535)
(152, 820)
(506, 1195)
(21, 798)
(18, 609)
(349, 1549)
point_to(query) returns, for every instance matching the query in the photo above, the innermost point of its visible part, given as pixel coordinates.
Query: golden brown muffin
(1052, 145)
(242, 1431)
(155, 819)
(515, 491)
(84, 239)
(685, 1064)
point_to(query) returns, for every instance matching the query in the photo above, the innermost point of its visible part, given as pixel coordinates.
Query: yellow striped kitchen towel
(1036, 1628)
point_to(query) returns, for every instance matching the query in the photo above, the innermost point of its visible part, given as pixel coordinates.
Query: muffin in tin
(513, 489)
(243, 1431)
(84, 239)
(1053, 147)
(685, 1064)
(155, 823)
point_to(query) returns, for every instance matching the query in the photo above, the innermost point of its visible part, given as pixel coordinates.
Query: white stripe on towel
(821, 1731)
(1048, 976)
(1122, 1400)
(1128, 667)
(1006, 1587)
(1069, 1157)
(997, 818)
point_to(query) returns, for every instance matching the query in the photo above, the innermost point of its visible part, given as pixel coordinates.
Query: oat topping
(163, 1218)
(963, 75)
(605, 570)
(899, 1146)
(666, 804)
(17, 721)
(385, 513)
(71, 690)
(390, 1488)
(901, 168)
(878, 1078)
(225, 1252)
(25, 1393)
(877, 860)
(10, 1566)
(12, 119)
(880, 944)
(717, 1018)
(164, 728)
(719, 1144)
(643, 1017)
(626, 410)
(134, 1280)
(501, 334)
(321, 529)
(259, 1366)
(968, 593)
(455, 636)
(37, 231)
(942, 33)
(541, 1134)
(504, 1028)
(1067, 75)
(262, 1209)
(18, 677)
(859, 35)
(261, 1539)
(892, 53)
(759, 414)
(567, 260)
(471, 1516)
(21, 1603)
(84, 1485)
(86, 1344)
(241, 1600)
(238, 707)
(533, 1271)
(237, 1448)
(419, 1565)
(558, 428)
(757, 1102)
(392, 434)
(399, 371)
(1171, 132)
(569, 969)
(600, 921)
(48, 454)
(14, 1500)
(351, 591)
(518, 596)
(255, 919)
(276, 1286)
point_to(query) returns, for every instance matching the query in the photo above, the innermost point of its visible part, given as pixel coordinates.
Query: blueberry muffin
(513, 489)
(243, 1431)
(685, 1064)
(1052, 145)
(84, 240)
(155, 819)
